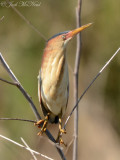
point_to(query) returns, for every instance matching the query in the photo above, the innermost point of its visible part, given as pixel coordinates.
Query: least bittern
(53, 80)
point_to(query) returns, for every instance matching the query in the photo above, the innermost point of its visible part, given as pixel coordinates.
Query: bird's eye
(63, 37)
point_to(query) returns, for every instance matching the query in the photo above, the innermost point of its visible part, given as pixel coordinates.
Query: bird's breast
(54, 74)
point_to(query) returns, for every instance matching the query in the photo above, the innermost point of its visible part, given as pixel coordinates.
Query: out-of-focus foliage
(22, 48)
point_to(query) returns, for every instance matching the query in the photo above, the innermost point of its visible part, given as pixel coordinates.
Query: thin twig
(11, 83)
(76, 75)
(32, 121)
(37, 115)
(2, 18)
(20, 145)
(29, 148)
(19, 86)
(68, 146)
(90, 84)
(21, 89)
(18, 119)
(26, 20)
(52, 143)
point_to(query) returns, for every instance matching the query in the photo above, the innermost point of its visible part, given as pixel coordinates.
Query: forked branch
(25, 94)
(19, 86)
(90, 84)
(27, 148)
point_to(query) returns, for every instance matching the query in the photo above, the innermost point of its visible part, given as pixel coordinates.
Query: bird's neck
(53, 62)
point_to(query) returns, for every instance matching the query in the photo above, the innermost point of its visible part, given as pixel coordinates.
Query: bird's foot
(62, 142)
(43, 128)
(59, 138)
(42, 124)
(39, 123)
(63, 131)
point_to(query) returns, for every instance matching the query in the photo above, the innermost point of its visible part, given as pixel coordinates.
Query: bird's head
(61, 39)
(57, 44)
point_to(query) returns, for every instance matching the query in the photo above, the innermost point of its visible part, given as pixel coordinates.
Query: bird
(53, 80)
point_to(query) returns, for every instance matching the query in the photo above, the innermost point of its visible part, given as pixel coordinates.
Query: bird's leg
(60, 127)
(61, 131)
(44, 126)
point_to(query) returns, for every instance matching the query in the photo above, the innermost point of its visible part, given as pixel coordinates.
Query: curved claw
(39, 123)
(63, 131)
(62, 142)
(44, 126)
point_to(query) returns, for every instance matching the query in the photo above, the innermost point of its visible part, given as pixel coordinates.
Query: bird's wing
(67, 94)
(39, 86)
(43, 106)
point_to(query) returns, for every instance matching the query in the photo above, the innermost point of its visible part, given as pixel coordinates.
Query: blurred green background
(22, 48)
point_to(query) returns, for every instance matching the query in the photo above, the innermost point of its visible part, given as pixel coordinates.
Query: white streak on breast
(56, 100)
(53, 65)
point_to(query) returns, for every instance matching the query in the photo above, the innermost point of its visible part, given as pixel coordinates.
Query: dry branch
(76, 76)
(27, 148)
(18, 119)
(27, 21)
(19, 86)
(1, 18)
(32, 153)
(90, 84)
(25, 94)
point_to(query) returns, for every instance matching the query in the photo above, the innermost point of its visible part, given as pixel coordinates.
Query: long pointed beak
(78, 30)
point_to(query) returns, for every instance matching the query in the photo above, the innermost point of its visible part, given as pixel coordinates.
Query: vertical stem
(76, 75)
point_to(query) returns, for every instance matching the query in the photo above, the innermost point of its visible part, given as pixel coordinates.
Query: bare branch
(76, 72)
(18, 119)
(32, 121)
(2, 18)
(15, 80)
(11, 83)
(91, 83)
(29, 148)
(20, 86)
(25, 94)
(68, 146)
(52, 143)
(20, 145)
(26, 20)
